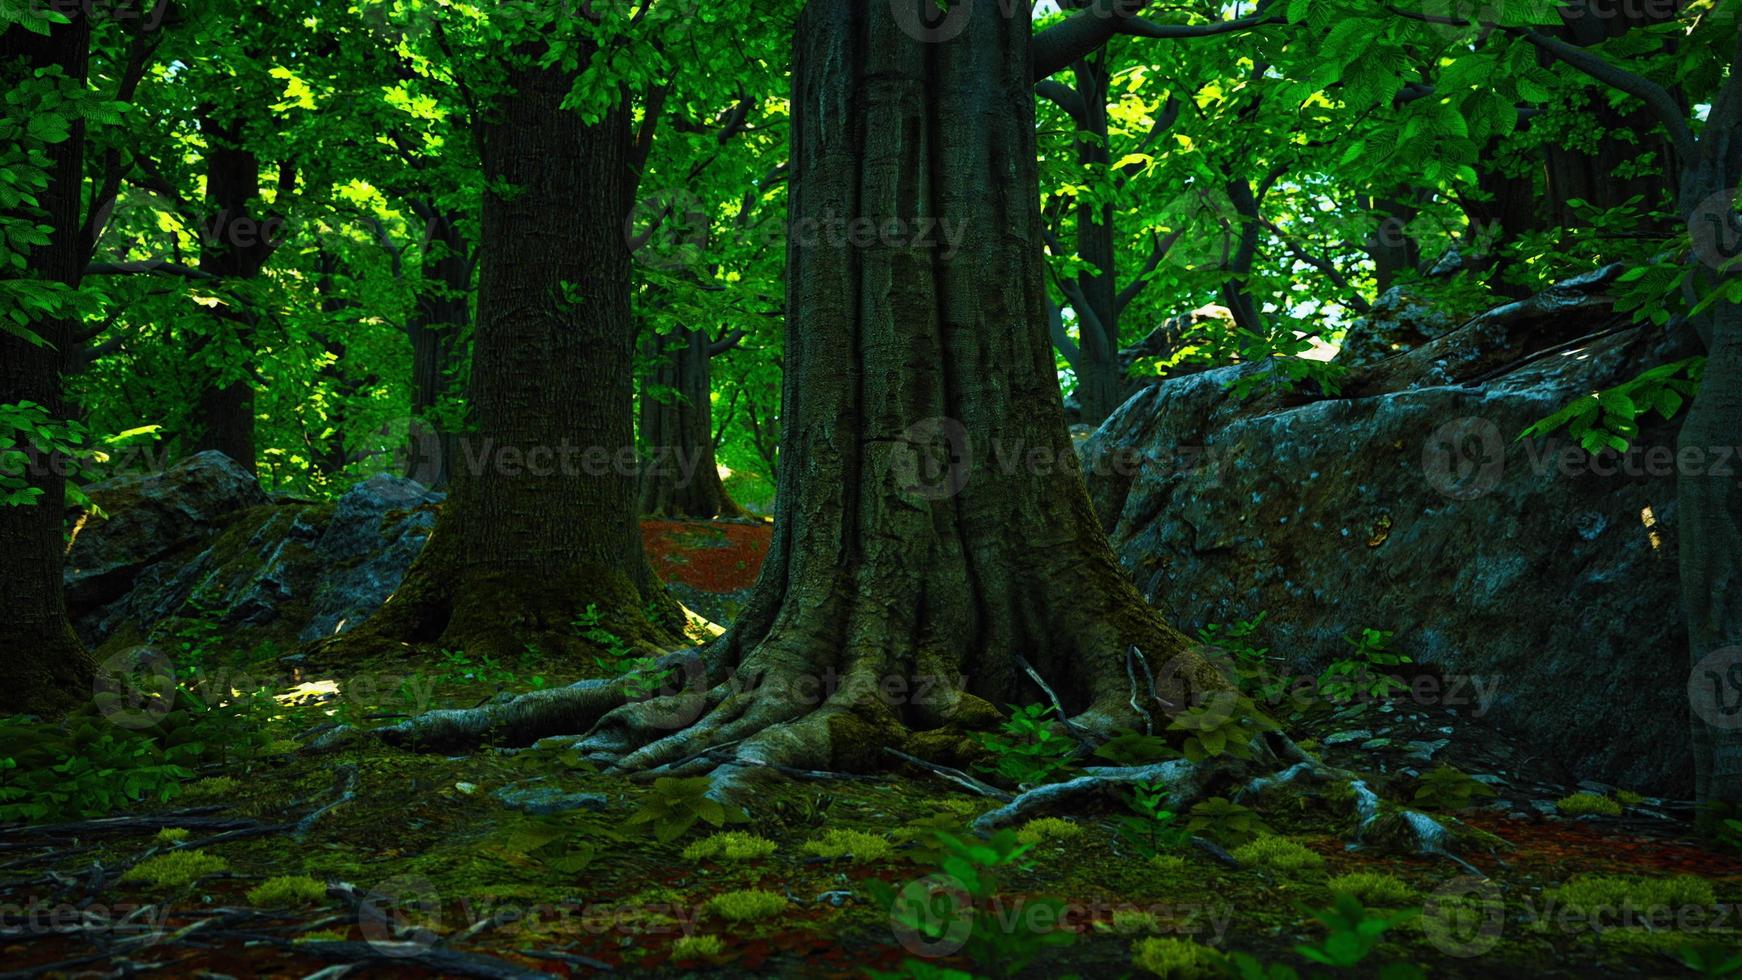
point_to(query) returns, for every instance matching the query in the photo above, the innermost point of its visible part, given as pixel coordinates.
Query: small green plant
(177, 869)
(1351, 932)
(1711, 959)
(748, 905)
(675, 805)
(1448, 790)
(1228, 823)
(1168, 863)
(697, 947)
(1225, 724)
(1268, 851)
(1153, 827)
(170, 835)
(84, 767)
(731, 845)
(617, 658)
(1581, 804)
(287, 890)
(1048, 828)
(855, 844)
(1026, 750)
(1279, 352)
(1610, 419)
(1363, 675)
(1374, 888)
(1254, 668)
(1132, 748)
(1176, 959)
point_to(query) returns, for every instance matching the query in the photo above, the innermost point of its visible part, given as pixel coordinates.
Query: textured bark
(235, 245)
(541, 518)
(47, 667)
(681, 477)
(883, 569)
(1100, 382)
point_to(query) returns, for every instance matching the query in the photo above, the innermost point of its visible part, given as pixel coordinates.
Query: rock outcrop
(1409, 504)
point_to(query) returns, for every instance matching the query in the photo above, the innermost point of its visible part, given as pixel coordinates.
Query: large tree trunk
(541, 519)
(680, 477)
(931, 524)
(48, 669)
(235, 247)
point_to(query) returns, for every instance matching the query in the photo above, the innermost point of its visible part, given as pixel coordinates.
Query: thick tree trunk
(931, 525)
(235, 246)
(680, 477)
(48, 669)
(437, 325)
(541, 519)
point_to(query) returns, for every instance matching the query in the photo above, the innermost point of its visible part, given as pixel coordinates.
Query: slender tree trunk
(48, 668)
(1390, 247)
(436, 329)
(1100, 381)
(541, 521)
(331, 457)
(931, 524)
(235, 247)
(680, 477)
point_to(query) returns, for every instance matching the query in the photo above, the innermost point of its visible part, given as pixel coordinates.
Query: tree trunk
(1100, 382)
(235, 247)
(680, 477)
(49, 669)
(443, 312)
(931, 524)
(541, 522)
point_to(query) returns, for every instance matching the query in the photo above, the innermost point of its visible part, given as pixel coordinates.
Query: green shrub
(855, 844)
(1176, 959)
(748, 905)
(1279, 853)
(1580, 804)
(730, 846)
(287, 890)
(1374, 888)
(177, 869)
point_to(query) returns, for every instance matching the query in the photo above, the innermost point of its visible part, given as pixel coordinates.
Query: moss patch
(177, 869)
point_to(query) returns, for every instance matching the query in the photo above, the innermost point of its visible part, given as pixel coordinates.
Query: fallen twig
(956, 776)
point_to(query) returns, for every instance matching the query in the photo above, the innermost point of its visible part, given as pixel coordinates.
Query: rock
(1412, 507)
(149, 516)
(1424, 751)
(546, 800)
(1397, 322)
(1344, 738)
(379, 526)
(1375, 743)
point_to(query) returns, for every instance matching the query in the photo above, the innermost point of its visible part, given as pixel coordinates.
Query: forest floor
(500, 863)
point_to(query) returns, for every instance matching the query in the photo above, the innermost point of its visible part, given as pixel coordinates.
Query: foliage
(1610, 419)
(1225, 724)
(1048, 828)
(1351, 932)
(1595, 894)
(1448, 789)
(1228, 823)
(1373, 888)
(1363, 674)
(1026, 750)
(1710, 959)
(618, 659)
(1154, 828)
(704, 947)
(675, 805)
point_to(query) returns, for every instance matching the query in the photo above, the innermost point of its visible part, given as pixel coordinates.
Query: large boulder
(201, 547)
(1410, 505)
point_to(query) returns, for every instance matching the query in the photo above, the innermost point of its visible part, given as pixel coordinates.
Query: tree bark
(49, 669)
(680, 477)
(931, 525)
(541, 522)
(436, 329)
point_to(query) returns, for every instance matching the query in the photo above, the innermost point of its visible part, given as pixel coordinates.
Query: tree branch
(1062, 44)
(1163, 244)
(1066, 98)
(1655, 96)
(152, 266)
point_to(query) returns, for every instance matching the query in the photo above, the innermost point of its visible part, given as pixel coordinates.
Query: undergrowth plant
(1153, 828)
(1448, 789)
(617, 658)
(674, 805)
(1026, 750)
(1364, 675)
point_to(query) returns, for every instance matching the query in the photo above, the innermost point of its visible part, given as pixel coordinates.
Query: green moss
(749, 905)
(855, 844)
(1277, 852)
(1176, 959)
(1634, 941)
(1580, 804)
(1048, 828)
(177, 869)
(1590, 894)
(1627, 797)
(170, 835)
(1374, 889)
(697, 948)
(730, 846)
(1168, 863)
(1134, 922)
(287, 890)
(321, 936)
(216, 788)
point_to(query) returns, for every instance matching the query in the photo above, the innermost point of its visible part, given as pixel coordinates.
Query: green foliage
(1710, 959)
(1364, 674)
(553, 842)
(675, 805)
(1610, 419)
(1154, 827)
(1351, 932)
(1026, 750)
(1048, 828)
(618, 659)
(1228, 823)
(704, 947)
(1448, 789)
(1225, 724)
(1612, 894)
